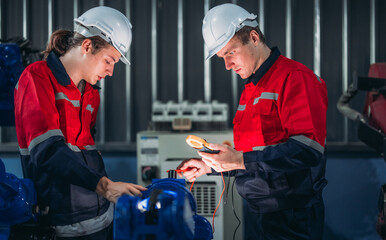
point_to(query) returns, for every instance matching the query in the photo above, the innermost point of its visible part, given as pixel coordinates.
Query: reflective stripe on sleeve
(87, 227)
(43, 137)
(261, 148)
(90, 147)
(73, 148)
(62, 96)
(24, 151)
(241, 108)
(266, 95)
(309, 142)
(300, 138)
(90, 108)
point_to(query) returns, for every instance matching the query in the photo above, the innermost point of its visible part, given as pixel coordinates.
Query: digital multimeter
(200, 144)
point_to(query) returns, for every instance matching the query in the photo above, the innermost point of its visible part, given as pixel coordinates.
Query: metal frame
(317, 37)
(76, 10)
(154, 50)
(128, 83)
(49, 18)
(345, 62)
(102, 106)
(373, 56)
(25, 33)
(288, 29)
(1, 36)
(235, 100)
(207, 65)
(180, 50)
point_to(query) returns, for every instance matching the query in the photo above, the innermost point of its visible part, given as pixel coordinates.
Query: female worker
(56, 104)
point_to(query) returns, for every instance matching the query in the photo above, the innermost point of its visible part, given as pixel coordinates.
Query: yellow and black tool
(200, 144)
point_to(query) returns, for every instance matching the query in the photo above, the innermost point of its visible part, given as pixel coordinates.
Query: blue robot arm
(167, 210)
(17, 198)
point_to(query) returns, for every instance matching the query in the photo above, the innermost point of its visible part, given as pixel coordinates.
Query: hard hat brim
(92, 31)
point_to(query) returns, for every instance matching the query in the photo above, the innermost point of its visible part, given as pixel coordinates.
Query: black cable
(234, 211)
(226, 194)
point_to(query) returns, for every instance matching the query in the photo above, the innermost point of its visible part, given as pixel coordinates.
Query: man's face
(241, 58)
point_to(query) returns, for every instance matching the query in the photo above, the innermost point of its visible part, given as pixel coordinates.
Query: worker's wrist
(208, 169)
(102, 185)
(241, 157)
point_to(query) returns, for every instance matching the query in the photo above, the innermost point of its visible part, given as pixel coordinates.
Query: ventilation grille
(205, 195)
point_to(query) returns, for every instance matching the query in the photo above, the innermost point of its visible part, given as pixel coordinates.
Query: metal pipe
(261, 15)
(102, 107)
(1, 37)
(154, 50)
(1, 29)
(372, 32)
(180, 49)
(25, 34)
(317, 37)
(345, 62)
(49, 18)
(128, 84)
(207, 64)
(235, 100)
(76, 10)
(288, 29)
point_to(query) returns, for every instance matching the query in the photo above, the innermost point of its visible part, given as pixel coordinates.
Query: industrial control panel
(159, 151)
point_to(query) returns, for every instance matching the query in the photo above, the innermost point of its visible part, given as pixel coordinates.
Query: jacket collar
(263, 69)
(59, 71)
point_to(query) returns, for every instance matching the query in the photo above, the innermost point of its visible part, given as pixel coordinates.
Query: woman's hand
(113, 190)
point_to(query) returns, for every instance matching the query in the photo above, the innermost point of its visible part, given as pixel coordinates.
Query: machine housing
(159, 151)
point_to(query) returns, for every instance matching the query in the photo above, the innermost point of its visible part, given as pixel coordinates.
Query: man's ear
(254, 37)
(86, 46)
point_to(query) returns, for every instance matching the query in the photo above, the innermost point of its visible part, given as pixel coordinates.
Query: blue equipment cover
(166, 211)
(11, 68)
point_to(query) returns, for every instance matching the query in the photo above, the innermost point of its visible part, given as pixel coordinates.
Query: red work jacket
(53, 125)
(280, 125)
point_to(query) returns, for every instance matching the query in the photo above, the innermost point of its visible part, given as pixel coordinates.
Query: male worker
(279, 130)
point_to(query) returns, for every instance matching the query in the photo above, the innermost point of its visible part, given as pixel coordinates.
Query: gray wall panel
(303, 47)
(380, 32)
(194, 52)
(12, 23)
(115, 90)
(331, 69)
(167, 50)
(141, 65)
(359, 51)
(63, 14)
(275, 24)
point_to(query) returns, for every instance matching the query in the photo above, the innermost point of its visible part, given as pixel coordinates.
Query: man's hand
(226, 160)
(193, 168)
(113, 190)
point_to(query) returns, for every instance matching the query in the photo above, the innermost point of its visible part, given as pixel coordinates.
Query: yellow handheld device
(200, 144)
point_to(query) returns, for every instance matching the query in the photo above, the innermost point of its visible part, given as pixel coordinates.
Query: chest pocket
(239, 114)
(265, 113)
(264, 107)
(265, 104)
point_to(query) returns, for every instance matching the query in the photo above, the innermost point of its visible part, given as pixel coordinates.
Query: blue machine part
(166, 211)
(17, 198)
(11, 67)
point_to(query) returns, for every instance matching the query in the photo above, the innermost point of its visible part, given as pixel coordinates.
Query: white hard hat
(221, 23)
(109, 24)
